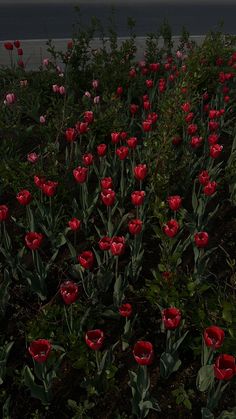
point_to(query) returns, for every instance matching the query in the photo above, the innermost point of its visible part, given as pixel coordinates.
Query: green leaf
(205, 378)
(72, 249)
(177, 344)
(30, 217)
(194, 198)
(168, 364)
(226, 414)
(36, 390)
(61, 240)
(206, 413)
(227, 312)
(4, 353)
(4, 291)
(6, 409)
(51, 261)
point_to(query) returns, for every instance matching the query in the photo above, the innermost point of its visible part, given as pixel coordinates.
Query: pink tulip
(10, 99)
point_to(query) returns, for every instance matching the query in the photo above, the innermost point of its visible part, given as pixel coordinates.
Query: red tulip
(210, 188)
(87, 159)
(188, 118)
(147, 125)
(132, 142)
(186, 107)
(167, 66)
(69, 292)
(123, 135)
(166, 275)
(149, 83)
(86, 259)
(196, 142)
(215, 150)
(153, 117)
(224, 367)
(71, 134)
(133, 108)
(17, 43)
(174, 202)
(117, 247)
(21, 63)
(154, 67)
(115, 137)
(205, 96)
(94, 339)
(137, 198)
(171, 318)
(132, 73)
(8, 45)
(88, 117)
(80, 174)
(82, 127)
(20, 52)
(74, 224)
(162, 85)
(171, 228)
(105, 243)
(192, 129)
(119, 90)
(143, 352)
(176, 140)
(101, 150)
(4, 211)
(213, 125)
(146, 107)
(32, 157)
(24, 197)
(140, 171)
(204, 177)
(135, 226)
(106, 183)
(38, 181)
(122, 152)
(214, 337)
(125, 310)
(108, 197)
(33, 240)
(40, 350)
(49, 188)
(213, 139)
(69, 44)
(201, 239)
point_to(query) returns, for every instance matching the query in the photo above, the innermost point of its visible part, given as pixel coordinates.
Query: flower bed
(117, 217)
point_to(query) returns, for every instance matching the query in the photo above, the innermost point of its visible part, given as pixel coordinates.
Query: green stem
(67, 321)
(117, 266)
(97, 362)
(71, 317)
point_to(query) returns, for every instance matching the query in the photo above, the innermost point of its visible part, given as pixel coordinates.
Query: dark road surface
(45, 21)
